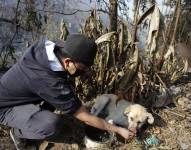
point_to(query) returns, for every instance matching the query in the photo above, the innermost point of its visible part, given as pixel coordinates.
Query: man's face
(75, 69)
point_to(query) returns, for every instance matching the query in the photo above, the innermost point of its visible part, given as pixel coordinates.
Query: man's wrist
(112, 128)
(116, 129)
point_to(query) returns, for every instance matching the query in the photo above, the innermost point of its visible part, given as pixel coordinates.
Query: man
(42, 75)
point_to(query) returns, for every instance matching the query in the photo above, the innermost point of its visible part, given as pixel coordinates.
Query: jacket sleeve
(60, 94)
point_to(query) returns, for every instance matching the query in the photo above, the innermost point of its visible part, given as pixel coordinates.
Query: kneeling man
(43, 74)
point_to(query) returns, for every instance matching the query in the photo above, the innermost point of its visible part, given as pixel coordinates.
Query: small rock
(184, 143)
(189, 84)
(173, 130)
(188, 95)
(188, 124)
(189, 107)
(172, 122)
(184, 102)
(175, 90)
(157, 131)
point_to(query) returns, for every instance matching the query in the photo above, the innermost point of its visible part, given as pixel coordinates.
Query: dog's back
(108, 107)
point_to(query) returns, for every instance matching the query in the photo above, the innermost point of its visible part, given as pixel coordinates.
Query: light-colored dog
(122, 113)
(137, 116)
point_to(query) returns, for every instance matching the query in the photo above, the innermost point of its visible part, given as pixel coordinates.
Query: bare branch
(72, 13)
(7, 20)
(16, 18)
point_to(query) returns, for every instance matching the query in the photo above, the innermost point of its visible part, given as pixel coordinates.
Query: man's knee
(49, 125)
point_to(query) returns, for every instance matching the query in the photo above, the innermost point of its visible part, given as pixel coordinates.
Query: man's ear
(150, 118)
(69, 65)
(127, 110)
(66, 62)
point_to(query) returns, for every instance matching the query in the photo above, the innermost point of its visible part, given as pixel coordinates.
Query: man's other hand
(83, 115)
(127, 134)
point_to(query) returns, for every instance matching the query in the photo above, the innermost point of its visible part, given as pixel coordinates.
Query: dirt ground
(172, 128)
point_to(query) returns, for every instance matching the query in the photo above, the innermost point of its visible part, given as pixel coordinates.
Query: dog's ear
(127, 110)
(150, 118)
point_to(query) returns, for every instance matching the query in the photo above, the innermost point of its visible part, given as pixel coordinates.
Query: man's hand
(127, 134)
(83, 115)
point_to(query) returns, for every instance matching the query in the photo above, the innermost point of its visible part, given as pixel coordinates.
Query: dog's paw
(150, 118)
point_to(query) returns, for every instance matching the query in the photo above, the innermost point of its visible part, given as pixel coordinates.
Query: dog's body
(121, 112)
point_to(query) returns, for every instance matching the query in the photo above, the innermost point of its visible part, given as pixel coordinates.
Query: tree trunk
(113, 15)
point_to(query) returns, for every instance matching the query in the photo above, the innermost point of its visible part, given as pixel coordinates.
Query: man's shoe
(19, 143)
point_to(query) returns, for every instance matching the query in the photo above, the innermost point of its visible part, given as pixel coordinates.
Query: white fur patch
(137, 116)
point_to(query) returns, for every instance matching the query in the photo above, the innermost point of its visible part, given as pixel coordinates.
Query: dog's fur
(121, 112)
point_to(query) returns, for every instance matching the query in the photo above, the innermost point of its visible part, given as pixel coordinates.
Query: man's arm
(83, 115)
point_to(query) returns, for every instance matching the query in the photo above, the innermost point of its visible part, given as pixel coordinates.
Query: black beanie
(79, 48)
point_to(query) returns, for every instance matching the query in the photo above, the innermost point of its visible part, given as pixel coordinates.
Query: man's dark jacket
(30, 80)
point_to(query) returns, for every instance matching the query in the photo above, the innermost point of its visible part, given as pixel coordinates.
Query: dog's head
(137, 116)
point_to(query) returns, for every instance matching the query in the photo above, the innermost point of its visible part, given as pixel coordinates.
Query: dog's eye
(138, 122)
(131, 118)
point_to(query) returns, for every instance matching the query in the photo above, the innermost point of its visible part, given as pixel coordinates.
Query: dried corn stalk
(64, 30)
(153, 32)
(128, 73)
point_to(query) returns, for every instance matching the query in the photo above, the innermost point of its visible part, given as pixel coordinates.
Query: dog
(121, 112)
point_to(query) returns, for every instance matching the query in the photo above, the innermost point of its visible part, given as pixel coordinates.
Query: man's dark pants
(31, 122)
